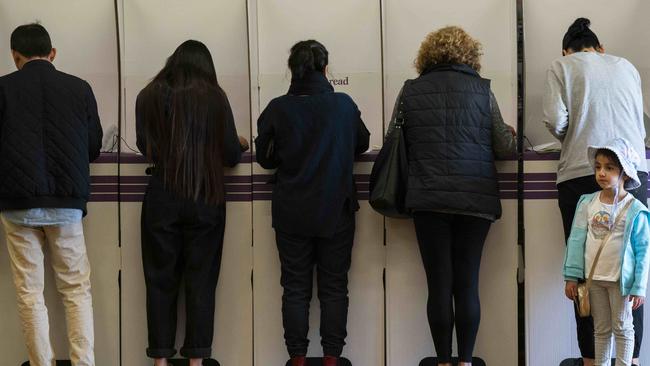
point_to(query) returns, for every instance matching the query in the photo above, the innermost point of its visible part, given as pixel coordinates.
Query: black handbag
(389, 176)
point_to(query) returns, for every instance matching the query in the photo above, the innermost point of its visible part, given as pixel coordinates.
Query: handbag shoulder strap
(606, 239)
(399, 119)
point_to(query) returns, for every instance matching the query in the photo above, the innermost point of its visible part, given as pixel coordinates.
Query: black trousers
(332, 258)
(181, 240)
(569, 193)
(451, 248)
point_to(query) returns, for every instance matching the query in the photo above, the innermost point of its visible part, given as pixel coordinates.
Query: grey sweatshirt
(591, 98)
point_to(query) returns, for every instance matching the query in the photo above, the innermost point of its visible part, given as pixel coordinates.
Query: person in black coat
(185, 128)
(312, 135)
(453, 131)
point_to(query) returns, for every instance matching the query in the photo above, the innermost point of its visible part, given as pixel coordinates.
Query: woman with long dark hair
(311, 135)
(590, 97)
(185, 128)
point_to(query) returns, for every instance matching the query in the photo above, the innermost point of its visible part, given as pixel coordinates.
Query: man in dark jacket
(49, 132)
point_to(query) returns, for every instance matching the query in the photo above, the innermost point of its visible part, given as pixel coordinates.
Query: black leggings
(569, 193)
(451, 247)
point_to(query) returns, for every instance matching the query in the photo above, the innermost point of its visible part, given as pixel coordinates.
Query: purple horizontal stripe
(133, 158)
(144, 179)
(106, 158)
(232, 188)
(112, 188)
(509, 195)
(506, 176)
(140, 197)
(535, 156)
(362, 178)
(137, 188)
(264, 178)
(366, 157)
(103, 198)
(246, 158)
(370, 156)
(262, 196)
(103, 179)
(261, 178)
(540, 195)
(529, 186)
(363, 187)
(540, 177)
(260, 187)
(238, 179)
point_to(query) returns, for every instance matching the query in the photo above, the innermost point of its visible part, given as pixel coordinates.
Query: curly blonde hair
(449, 45)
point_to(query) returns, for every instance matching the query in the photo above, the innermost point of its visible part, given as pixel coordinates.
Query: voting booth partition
(351, 27)
(87, 48)
(550, 324)
(493, 23)
(151, 33)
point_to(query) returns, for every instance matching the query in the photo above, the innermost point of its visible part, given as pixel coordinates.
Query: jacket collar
(465, 69)
(38, 63)
(312, 83)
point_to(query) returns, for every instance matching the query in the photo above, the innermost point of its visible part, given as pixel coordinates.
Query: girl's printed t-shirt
(599, 216)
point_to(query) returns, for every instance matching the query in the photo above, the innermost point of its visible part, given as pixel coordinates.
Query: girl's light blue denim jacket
(634, 255)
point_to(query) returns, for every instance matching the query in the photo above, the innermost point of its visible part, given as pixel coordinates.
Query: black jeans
(180, 240)
(451, 248)
(332, 258)
(569, 193)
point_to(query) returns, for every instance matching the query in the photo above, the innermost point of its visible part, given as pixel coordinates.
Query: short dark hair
(31, 40)
(307, 56)
(609, 154)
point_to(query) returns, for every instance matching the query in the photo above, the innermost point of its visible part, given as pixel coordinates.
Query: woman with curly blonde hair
(453, 131)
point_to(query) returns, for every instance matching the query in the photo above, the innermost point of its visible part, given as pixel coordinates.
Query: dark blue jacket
(311, 135)
(448, 130)
(49, 133)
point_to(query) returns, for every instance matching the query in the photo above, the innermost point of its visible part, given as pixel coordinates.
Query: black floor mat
(578, 362)
(432, 361)
(318, 361)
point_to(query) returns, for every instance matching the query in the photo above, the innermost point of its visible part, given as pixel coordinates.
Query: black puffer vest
(448, 129)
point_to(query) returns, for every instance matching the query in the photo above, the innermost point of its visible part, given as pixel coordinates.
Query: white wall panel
(492, 22)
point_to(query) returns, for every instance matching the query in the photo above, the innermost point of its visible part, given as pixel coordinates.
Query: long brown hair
(184, 111)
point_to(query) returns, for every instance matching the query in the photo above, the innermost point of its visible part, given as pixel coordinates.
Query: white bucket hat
(626, 155)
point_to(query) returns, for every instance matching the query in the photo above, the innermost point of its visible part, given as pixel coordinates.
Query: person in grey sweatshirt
(590, 98)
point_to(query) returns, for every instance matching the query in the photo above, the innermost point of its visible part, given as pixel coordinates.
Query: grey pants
(612, 314)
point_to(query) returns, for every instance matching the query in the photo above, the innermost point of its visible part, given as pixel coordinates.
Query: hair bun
(580, 25)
